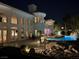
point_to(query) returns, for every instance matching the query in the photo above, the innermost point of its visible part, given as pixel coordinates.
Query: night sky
(55, 9)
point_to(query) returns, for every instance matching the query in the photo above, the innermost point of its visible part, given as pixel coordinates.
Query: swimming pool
(65, 38)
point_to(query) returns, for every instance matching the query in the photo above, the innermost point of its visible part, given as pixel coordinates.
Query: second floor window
(37, 20)
(3, 19)
(14, 20)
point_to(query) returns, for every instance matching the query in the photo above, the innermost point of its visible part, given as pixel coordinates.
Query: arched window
(14, 20)
(3, 19)
(0, 36)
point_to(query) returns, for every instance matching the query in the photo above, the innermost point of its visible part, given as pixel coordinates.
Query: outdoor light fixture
(27, 50)
(38, 42)
(62, 27)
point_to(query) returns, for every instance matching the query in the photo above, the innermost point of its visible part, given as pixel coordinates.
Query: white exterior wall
(9, 12)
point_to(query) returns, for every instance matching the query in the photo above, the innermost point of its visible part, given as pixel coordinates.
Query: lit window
(0, 36)
(16, 34)
(22, 33)
(37, 20)
(12, 32)
(4, 19)
(4, 35)
(14, 20)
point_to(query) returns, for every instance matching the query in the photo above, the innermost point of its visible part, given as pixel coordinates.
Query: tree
(71, 22)
(57, 26)
(32, 8)
(67, 22)
(76, 18)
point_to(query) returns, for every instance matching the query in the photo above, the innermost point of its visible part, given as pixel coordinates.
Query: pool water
(65, 38)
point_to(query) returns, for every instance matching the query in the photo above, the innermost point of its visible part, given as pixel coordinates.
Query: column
(25, 28)
(8, 29)
(19, 27)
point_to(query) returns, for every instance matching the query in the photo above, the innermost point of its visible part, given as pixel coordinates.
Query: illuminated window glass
(0, 36)
(38, 19)
(4, 35)
(35, 20)
(16, 33)
(22, 33)
(12, 33)
(4, 19)
(14, 20)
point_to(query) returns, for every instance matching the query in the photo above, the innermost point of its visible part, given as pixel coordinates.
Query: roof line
(14, 8)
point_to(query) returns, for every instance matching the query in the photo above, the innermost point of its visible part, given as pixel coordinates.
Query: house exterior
(19, 25)
(39, 23)
(14, 24)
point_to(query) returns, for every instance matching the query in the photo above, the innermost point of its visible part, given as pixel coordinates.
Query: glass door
(14, 35)
(4, 35)
(0, 36)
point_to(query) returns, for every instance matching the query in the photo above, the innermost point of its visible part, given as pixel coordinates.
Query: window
(14, 34)
(22, 33)
(0, 36)
(3, 19)
(14, 20)
(4, 35)
(37, 20)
